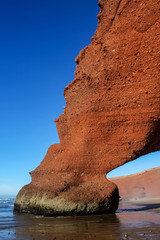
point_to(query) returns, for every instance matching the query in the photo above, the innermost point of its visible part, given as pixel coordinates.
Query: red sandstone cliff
(140, 185)
(112, 114)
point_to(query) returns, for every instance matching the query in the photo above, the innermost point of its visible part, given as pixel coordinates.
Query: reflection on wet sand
(76, 228)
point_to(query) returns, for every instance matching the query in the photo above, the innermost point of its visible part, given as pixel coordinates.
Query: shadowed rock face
(111, 115)
(140, 185)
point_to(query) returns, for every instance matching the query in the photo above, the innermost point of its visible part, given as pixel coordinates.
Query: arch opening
(151, 160)
(138, 179)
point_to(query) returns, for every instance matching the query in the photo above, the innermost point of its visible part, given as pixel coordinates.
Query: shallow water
(137, 221)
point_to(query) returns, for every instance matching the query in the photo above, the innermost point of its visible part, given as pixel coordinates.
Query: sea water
(6, 215)
(129, 222)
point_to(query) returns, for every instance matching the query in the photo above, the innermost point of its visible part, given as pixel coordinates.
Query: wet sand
(135, 219)
(140, 219)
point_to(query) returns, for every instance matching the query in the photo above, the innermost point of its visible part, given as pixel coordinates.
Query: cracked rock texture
(140, 185)
(112, 114)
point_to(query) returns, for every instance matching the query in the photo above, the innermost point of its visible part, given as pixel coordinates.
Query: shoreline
(140, 204)
(135, 218)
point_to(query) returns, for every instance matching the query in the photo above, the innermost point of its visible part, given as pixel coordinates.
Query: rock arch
(112, 114)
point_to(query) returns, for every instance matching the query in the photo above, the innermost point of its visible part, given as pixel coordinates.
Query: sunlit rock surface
(111, 115)
(143, 185)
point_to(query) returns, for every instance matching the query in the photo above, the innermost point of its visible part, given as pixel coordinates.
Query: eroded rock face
(143, 185)
(112, 114)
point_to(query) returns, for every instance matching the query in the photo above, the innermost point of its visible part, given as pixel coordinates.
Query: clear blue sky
(38, 44)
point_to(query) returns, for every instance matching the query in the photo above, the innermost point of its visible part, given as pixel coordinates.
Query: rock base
(76, 201)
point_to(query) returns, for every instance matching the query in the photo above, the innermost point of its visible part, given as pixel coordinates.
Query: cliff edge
(112, 114)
